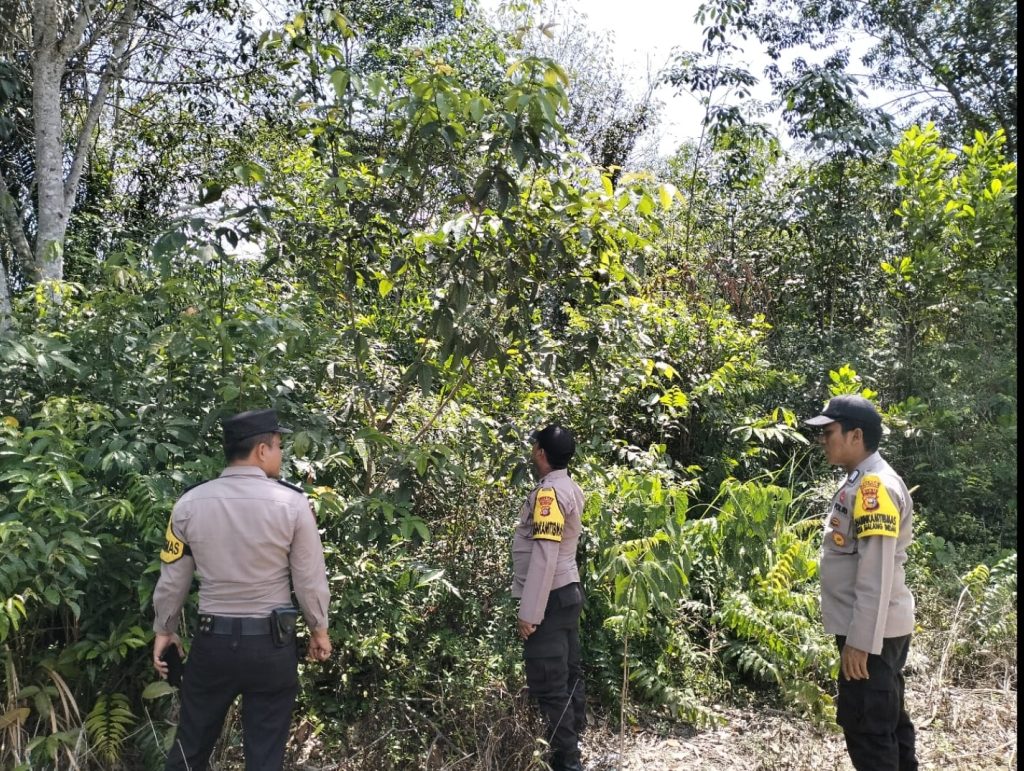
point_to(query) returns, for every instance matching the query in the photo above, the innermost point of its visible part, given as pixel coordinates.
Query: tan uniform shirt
(544, 545)
(250, 539)
(868, 528)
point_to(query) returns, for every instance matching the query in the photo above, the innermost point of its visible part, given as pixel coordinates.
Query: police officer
(547, 583)
(865, 601)
(251, 538)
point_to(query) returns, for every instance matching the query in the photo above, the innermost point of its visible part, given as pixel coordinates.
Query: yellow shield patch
(174, 547)
(548, 520)
(874, 512)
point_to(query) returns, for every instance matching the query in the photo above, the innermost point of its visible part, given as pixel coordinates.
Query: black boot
(564, 763)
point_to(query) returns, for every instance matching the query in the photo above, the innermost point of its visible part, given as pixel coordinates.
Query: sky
(644, 33)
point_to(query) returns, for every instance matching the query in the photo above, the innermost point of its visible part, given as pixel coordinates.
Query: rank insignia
(834, 522)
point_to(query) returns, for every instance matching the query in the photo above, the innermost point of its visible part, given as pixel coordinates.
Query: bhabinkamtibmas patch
(174, 548)
(548, 521)
(874, 512)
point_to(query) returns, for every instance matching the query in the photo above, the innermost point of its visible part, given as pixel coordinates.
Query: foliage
(399, 250)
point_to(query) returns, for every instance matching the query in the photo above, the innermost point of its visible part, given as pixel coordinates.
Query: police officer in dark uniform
(547, 583)
(865, 601)
(251, 539)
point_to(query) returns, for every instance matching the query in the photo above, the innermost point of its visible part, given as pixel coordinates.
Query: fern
(107, 724)
(656, 688)
(994, 591)
(751, 661)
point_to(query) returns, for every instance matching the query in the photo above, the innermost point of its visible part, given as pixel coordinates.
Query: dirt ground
(957, 728)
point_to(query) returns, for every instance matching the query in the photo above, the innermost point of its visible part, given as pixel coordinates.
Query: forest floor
(967, 729)
(957, 728)
(965, 721)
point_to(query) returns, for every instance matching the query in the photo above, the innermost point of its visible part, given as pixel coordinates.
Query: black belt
(209, 624)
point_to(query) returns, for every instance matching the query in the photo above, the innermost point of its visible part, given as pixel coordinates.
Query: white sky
(644, 32)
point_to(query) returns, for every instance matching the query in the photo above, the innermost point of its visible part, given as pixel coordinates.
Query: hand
(160, 642)
(319, 646)
(854, 663)
(526, 628)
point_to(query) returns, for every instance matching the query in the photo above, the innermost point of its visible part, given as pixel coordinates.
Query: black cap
(246, 424)
(848, 407)
(557, 442)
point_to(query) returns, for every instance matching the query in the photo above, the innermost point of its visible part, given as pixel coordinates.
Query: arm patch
(174, 548)
(548, 520)
(874, 512)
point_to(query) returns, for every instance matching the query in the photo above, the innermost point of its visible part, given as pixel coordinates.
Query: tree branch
(69, 43)
(13, 226)
(111, 72)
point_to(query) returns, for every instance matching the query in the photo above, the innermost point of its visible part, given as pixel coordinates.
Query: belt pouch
(282, 625)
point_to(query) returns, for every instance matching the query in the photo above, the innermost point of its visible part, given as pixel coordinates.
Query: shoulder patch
(174, 548)
(874, 512)
(548, 520)
(290, 486)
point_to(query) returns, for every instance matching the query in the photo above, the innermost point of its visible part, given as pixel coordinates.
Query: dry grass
(957, 728)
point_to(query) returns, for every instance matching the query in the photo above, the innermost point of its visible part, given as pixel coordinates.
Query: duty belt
(209, 624)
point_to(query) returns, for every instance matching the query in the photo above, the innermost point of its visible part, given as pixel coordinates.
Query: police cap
(849, 407)
(557, 442)
(246, 424)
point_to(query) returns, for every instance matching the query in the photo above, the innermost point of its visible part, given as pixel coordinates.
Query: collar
(558, 473)
(863, 467)
(243, 471)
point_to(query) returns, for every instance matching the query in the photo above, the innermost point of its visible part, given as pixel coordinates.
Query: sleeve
(875, 569)
(176, 569)
(548, 529)
(538, 581)
(309, 572)
(876, 519)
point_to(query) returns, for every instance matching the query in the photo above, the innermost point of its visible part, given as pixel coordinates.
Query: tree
(77, 71)
(606, 121)
(955, 62)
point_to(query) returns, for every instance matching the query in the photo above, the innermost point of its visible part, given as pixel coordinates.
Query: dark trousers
(219, 668)
(878, 731)
(553, 673)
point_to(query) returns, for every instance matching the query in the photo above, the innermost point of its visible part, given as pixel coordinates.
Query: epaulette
(196, 484)
(290, 486)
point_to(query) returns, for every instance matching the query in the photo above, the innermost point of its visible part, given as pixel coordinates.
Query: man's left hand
(526, 628)
(854, 663)
(160, 643)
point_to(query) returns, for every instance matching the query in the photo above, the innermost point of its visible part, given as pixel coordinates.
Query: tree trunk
(53, 222)
(56, 189)
(5, 300)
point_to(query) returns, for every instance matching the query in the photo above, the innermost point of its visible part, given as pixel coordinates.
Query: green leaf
(340, 80)
(157, 689)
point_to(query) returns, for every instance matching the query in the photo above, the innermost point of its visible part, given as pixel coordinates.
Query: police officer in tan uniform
(865, 601)
(251, 539)
(547, 583)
